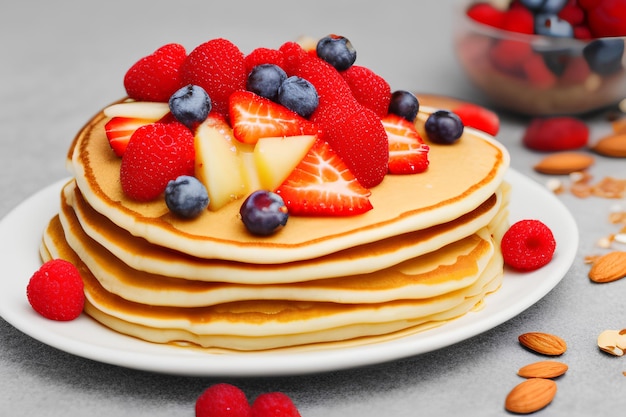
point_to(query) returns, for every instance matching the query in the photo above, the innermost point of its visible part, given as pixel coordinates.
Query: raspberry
(156, 153)
(528, 245)
(486, 14)
(222, 400)
(274, 404)
(156, 77)
(218, 67)
(520, 20)
(369, 89)
(607, 18)
(559, 133)
(56, 291)
(261, 56)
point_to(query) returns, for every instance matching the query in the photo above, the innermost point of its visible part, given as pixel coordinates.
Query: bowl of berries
(544, 57)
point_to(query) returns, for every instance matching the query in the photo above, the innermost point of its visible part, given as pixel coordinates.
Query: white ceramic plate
(20, 234)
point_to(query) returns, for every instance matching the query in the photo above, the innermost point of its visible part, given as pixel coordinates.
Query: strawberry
(607, 18)
(156, 154)
(408, 154)
(322, 185)
(274, 404)
(120, 129)
(217, 66)
(369, 88)
(510, 55)
(253, 117)
(478, 117)
(55, 291)
(559, 133)
(157, 76)
(261, 56)
(486, 14)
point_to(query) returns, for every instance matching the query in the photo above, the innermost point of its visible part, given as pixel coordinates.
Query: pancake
(144, 256)
(402, 204)
(269, 324)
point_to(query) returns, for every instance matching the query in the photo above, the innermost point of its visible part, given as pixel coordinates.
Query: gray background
(61, 61)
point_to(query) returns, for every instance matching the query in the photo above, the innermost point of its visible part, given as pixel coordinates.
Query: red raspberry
(218, 67)
(520, 20)
(573, 13)
(56, 291)
(369, 89)
(156, 153)
(222, 400)
(156, 77)
(607, 18)
(528, 245)
(559, 133)
(274, 404)
(261, 56)
(487, 14)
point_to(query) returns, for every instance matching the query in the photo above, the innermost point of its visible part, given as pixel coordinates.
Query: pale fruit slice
(219, 163)
(276, 157)
(138, 110)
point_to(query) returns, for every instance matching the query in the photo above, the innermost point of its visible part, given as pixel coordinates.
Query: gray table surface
(62, 61)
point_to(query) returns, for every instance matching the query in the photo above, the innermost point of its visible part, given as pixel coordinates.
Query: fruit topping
(478, 117)
(265, 79)
(253, 117)
(120, 129)
(404, 104)
(528, 245)
(556, 134)
(190, 105)
(606, 18)
(276, 157)
(552, 25)
(274, 404)
(223, 400)
(322, 185)
(264, 56)
(218, 67)
(56, 291)
(156, 77)
(337, 51)
(443, 127)
(408, 154)
(298, 95)
(186, 196)
(263, 213)
(368, 88)
(156, 154)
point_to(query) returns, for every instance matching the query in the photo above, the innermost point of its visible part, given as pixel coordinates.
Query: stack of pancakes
(428, 252)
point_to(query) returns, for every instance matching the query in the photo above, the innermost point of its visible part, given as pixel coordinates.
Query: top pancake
(460, 177)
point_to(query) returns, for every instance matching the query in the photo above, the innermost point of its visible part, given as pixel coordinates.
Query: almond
(544, 343)
(563, 163)
(530, 396)
(612, 145)
(543, 369)
(613, 342)
(609, 267)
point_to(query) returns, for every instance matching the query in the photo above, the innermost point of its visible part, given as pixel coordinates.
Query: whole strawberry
(222, 400)
(156, 153)
(156, 77)
(56, 291)
(274, 404)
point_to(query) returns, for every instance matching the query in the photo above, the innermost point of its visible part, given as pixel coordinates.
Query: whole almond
(543, 369)
(612, 145)
(544, 343)
(563, 163)
(609, 267)
(530, 396)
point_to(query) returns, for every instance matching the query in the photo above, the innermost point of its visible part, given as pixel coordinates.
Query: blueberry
(548, 24)
(186, 196)
(265, 79)
(298, 95)
(534, 5)
(444, 127)
(552, 6)
(263, 213)
(190, 105)
(604, 56)
(404, 104)
(337, 51)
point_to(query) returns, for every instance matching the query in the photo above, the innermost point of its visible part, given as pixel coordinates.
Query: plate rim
(142, 355)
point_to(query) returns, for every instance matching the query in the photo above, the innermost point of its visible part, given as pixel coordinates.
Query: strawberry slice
(322, 185)
(478, 117)
(408, 154)
(253, 117)
(119, 130)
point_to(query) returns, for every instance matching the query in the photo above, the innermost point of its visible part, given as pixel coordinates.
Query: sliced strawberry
(478, 117)
(253, 117)
(322, 185)
(408, 154)
(120, 129)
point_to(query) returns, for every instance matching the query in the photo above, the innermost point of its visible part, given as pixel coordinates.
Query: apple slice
(219, 164)
(138, 110)
(276, 157)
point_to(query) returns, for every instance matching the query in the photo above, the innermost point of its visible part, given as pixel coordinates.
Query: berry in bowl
(545, 57)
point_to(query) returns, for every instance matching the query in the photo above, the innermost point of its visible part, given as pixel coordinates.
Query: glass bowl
(539, 75)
